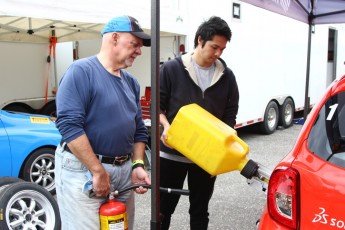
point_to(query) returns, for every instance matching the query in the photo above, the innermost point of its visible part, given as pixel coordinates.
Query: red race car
(307, 188)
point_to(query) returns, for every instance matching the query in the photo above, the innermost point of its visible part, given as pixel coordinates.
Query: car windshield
(327, 137)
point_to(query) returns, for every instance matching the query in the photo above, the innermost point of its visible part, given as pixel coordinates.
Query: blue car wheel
(39, 169)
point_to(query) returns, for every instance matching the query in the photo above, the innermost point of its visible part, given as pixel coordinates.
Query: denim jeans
(77, 210)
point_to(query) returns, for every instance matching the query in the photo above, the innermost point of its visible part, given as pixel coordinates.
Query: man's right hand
(164, 137)
(82, 149)
(166, 125)
(101, 183)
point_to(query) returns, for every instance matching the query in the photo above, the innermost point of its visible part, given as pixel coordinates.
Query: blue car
(27, 147)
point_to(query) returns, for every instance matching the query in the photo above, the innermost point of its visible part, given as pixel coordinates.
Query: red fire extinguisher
(113, 214)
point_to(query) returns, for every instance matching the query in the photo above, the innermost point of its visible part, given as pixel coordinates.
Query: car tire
(39, 169)
(270, 123)
(286, 113)
(6, 180)
(26, 205)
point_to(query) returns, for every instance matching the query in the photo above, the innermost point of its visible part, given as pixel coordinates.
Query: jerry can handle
(240, 141)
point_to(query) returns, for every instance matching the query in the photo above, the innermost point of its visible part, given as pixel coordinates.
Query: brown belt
(117, 160)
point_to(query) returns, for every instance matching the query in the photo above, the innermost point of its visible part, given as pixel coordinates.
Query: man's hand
(166, 125)
(164, 137)
(82, 149)
(101, 183)
(140, 176)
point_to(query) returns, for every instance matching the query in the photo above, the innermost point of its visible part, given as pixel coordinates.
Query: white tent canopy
(27, 29)
(37, 20)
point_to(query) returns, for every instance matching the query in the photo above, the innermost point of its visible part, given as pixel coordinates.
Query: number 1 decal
(331, 113)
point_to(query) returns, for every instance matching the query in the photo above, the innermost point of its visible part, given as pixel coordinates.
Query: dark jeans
(200, 185)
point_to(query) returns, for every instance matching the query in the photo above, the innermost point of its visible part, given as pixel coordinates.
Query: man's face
(212, 49)
(129, 47)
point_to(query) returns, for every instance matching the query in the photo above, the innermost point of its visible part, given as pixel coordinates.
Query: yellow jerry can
(207, 141)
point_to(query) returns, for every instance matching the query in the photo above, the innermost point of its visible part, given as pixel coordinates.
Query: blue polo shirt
(105, 107)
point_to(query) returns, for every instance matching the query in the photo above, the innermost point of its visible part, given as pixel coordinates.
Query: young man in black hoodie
(203, 78)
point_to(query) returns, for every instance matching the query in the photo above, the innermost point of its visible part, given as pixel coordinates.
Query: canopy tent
(28, 29)
(308, 11)
(36, 20)
(311, 12)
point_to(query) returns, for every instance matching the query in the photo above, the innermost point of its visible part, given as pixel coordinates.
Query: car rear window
(327, 137)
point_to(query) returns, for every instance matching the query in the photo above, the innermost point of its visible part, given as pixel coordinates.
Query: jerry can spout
(257, 175)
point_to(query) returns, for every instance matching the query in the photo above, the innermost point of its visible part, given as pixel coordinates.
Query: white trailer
(24, 76)
(268, 55)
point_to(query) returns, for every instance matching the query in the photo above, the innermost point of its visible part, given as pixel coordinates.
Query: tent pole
(55, 73)
(306, 98)
(155, 43)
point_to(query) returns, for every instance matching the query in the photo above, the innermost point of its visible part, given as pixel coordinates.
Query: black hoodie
(178, 87)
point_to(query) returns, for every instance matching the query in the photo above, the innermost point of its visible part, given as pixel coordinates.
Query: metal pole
(306, 98)
(155, 43)
(54, 63)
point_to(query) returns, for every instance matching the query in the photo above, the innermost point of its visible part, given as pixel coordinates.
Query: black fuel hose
(166, 190)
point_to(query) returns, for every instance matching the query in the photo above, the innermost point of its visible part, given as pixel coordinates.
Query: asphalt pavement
(234, 205)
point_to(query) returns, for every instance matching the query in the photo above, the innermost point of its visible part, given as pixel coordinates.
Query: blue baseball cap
(127, 24)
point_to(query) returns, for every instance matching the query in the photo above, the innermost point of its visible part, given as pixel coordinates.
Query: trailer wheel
(19, 107)
(25, 205)
(270, 123)
(49, 109)
(287, 113)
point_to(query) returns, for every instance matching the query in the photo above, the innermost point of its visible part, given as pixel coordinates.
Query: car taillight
(283, 197)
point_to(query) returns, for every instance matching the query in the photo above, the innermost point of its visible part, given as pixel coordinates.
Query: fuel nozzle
(257, 175)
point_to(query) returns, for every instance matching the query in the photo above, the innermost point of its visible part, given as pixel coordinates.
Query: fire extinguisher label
(117, 222)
